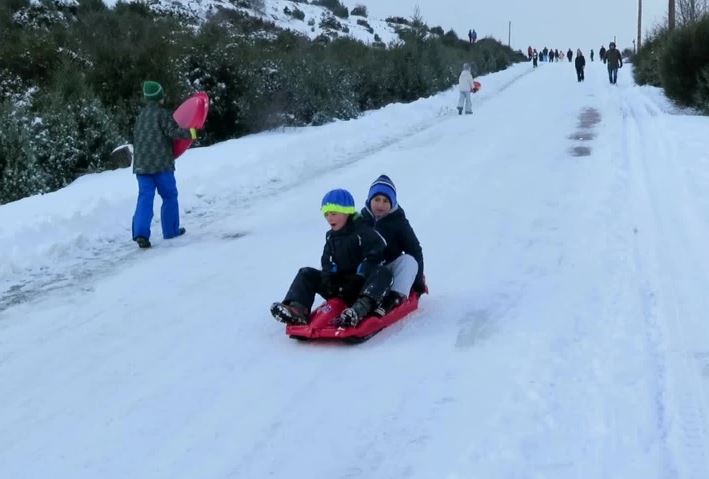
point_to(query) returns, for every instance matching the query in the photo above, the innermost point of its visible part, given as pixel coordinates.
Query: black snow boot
(143, 242)
(351, 316)
(460, 110)
(292, 313)
(390, 301)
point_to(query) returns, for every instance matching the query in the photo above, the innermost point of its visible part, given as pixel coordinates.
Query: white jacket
(465, 82)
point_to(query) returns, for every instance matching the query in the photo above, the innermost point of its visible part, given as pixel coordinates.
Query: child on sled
(403, 255)
(351, 268)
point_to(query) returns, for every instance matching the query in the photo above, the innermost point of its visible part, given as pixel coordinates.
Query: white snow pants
(404, 270)
(465, 98)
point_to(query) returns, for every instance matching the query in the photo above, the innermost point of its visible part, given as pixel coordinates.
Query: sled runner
(322, 326)
(191, 114)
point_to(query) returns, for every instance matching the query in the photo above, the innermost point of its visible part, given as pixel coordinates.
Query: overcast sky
(553, 23)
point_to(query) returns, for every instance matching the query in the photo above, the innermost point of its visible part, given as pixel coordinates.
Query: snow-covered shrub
(359, 10)
(335, 6)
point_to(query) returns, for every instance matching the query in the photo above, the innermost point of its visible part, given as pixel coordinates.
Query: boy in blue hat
(351, 268)
(154, 166)
(403, 255)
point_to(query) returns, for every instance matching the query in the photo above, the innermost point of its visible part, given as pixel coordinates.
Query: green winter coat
(152, 140)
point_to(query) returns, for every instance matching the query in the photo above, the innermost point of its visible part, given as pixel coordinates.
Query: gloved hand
(193, 133)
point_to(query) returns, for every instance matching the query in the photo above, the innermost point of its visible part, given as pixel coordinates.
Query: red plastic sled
(476, 87)
(191, 114)
(321, 322)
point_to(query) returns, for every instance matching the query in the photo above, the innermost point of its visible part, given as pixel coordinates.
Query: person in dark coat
(403, 255)
(615, 61)
(602, 53)
(154, 166)
(569, 55)
(535, 58)
(352, 268)
(592, 54)
(580, 64)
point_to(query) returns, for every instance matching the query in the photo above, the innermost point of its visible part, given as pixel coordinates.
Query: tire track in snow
(681, 396)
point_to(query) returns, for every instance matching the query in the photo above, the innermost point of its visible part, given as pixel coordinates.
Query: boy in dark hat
(403, 255)
(351, 268)
(154, 166)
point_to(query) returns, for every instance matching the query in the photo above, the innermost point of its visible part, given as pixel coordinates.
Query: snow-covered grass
(564, 229)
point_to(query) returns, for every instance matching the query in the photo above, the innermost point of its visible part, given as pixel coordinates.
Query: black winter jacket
(356, 248)
(580, 62)
(400, 239)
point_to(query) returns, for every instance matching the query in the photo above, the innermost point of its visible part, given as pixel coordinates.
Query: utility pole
(671, 15)
(636, 47)
(509, 35)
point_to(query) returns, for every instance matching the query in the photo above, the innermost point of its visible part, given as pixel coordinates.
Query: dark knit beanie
(383, 186)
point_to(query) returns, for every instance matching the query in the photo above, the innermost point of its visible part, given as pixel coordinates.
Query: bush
(364, 23)
(335, 6)
(702, 94)
(438, 31)
(359, 10)
(296, 13)
(685, 55)
(398, 21)
(328, 22)
(646, 62)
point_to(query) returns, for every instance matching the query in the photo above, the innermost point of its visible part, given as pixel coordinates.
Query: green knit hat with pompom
(152, 90)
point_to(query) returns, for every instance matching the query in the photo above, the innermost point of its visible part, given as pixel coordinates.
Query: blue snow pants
(165, 183)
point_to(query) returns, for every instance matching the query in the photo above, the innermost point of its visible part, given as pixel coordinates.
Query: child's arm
(373, 245)
(171, 129)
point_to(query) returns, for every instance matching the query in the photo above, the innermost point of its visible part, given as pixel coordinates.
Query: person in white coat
(465, 85)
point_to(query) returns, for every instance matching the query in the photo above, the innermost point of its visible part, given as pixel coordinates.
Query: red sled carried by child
(322, 322)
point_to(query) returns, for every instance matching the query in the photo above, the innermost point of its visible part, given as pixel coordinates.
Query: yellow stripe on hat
(334, 208)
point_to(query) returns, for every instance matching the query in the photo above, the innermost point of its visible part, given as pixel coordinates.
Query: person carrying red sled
(351, 268)
(403, 255)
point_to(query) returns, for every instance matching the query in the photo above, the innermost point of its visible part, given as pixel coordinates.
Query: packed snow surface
(565, 229)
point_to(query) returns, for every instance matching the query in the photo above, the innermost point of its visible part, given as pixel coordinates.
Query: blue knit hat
(338, 201)
(383, 186)
(152, 90)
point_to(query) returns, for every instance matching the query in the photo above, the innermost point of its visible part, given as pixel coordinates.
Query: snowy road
(564, 228)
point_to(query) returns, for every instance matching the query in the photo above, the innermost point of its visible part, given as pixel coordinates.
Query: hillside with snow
(316, 20)
(565, 334)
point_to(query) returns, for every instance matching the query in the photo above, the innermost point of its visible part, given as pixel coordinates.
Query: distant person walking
(580, 65)
(465, 86)
(615, 61)
(535, 58)
(569, 55)
(602, 53)
(591, 54)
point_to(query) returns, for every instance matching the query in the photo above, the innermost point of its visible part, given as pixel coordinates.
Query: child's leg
(404, 270)
(377, 285)
(468, 103)
(461, 100)
(170, 212)
(144, 207)
(302, 290)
